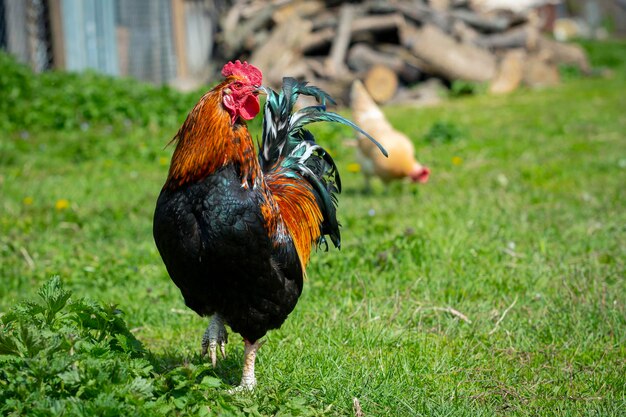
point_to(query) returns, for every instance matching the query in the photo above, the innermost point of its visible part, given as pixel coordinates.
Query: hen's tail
(291, 159)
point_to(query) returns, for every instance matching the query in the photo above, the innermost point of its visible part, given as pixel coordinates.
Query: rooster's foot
(248, 379)
(215, 334)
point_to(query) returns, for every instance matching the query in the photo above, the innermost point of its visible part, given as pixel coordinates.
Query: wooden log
(424, 14)
(440, 5)
(335, 63)
(367, 23)
(525, 37)
(230, 19)
(318, 39)
(316, 66)
(539, 71)
(296, 67)
(302, 9)
(282, 50)
(414, 62)
(236, 32)
(381, 83)
(362, 58)
(565, 54)
(510, 72)
(449, 58)
(463, 32)
(416, 11)
(482, 22)
(377, 23)
(250, 9)
(324, 19)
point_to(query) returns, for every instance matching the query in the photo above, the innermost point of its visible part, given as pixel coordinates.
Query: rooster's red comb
(249, 71)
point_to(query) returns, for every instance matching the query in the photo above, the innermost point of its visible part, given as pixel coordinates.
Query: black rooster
(235, 230)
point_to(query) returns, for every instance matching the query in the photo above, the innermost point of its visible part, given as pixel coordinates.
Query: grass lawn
(496, 289)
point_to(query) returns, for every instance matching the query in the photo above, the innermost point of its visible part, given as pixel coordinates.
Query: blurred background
(392, 45)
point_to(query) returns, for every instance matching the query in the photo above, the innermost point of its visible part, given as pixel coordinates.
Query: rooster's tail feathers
(279, 124)
(311, 162)
(278, 120)
(289, 150)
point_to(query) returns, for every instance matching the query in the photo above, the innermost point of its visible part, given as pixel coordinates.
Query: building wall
(145, 26)
(26, 32)
(89, 35)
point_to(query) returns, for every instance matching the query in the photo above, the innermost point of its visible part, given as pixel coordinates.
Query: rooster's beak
(261, 90)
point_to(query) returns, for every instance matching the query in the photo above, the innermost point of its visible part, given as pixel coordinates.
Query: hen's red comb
(249, 71)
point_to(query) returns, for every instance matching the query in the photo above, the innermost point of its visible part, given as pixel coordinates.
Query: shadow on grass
(228, 369)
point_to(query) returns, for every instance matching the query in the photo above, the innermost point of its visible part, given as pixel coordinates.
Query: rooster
(401, 162)
(235, 229)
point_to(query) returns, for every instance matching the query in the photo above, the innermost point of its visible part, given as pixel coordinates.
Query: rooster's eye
(237, 85)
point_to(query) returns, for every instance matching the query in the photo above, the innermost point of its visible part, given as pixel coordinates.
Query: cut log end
(381, 83)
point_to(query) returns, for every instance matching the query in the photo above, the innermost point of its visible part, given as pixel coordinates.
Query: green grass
(521, 229)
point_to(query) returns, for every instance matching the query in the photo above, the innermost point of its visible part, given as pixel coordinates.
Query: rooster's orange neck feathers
(208, 140)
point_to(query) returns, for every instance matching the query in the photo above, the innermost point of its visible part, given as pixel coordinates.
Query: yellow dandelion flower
(61, 204)
(457, 160)
(28, 201)
(354, 167)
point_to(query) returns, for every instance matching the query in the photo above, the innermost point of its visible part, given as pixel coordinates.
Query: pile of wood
(393, 46)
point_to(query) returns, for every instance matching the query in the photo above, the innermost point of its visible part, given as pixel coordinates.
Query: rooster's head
(241, 93)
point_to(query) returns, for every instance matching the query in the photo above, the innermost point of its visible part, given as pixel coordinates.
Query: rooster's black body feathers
(229, 247)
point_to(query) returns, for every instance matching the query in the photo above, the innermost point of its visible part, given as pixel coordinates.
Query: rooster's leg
(215, 334)
(248, 380)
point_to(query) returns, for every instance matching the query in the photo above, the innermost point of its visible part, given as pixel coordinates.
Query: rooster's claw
(215, 334)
